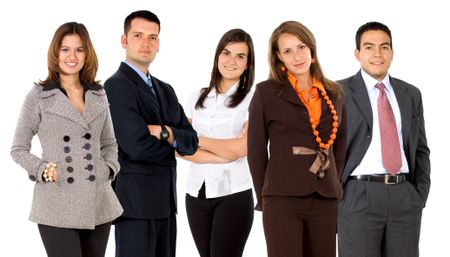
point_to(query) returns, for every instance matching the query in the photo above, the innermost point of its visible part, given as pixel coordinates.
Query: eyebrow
(372, 44)
(76, 47)
(142, 33)
(237, 53)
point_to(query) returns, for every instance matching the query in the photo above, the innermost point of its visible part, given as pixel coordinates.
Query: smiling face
(295, 55)
(72, 55)
(232, 61)
(375, 54)
(141, 43)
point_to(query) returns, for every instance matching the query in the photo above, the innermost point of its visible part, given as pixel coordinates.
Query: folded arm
(229, 149)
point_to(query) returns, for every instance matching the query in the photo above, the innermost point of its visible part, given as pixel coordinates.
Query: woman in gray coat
(73, 202)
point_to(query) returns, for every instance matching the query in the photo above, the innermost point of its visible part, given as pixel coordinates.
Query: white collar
(371, 82)
(230, 91)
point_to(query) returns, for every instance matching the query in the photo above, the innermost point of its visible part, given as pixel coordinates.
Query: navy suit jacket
(359, 129)
(146, 183)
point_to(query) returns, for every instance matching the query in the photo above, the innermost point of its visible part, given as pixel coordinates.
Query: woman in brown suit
(298, 113)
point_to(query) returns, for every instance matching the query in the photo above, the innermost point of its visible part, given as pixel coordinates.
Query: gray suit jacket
(84, 149)
(359, 129)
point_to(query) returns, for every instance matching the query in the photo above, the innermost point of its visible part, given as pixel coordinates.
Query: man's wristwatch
(164, 135)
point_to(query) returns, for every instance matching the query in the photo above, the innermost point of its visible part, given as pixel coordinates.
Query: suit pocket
(138, 169)
(416, 198)
(104, 171)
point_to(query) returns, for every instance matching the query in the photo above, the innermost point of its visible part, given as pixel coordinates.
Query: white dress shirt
(217, 120)
(372, 162)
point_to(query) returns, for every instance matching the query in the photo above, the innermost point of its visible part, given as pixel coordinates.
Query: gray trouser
(377, 220)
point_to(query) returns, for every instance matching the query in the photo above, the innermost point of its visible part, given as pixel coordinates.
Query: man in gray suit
(386, 178)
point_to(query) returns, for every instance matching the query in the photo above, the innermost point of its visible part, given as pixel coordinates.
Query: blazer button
(69, 169)
(32, 177)
(66, 149)
(89, 167)
(70, 180)
(88, 157)
(68, 159)
(87, 146)
(92, 178)
(87, 136)
(66, 138)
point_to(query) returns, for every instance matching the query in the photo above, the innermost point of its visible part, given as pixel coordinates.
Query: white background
(190, 31)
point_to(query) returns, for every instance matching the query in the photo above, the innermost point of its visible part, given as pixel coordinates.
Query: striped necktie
(150, 85)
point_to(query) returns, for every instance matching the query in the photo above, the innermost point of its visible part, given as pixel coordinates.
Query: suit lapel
(405, 108)
(161, 100)
(361, 98)
(148, 99)
(62, 107)
(140, 84)
(94, 105)
(291, 96)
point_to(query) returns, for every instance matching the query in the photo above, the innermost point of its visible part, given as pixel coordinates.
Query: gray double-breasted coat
(85, 150)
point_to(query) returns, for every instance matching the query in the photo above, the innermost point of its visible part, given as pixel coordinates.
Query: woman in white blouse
(219, 200)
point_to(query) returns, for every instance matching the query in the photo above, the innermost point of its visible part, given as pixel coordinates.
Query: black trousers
(146, 238)
(220, 226)
(66, 242)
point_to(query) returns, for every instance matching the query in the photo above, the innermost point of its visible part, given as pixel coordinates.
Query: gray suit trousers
(378, 220)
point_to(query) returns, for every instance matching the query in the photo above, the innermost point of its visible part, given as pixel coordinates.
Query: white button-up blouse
(217, 120)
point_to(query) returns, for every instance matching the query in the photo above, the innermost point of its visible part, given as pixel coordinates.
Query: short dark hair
(144, 14)
(373, 25)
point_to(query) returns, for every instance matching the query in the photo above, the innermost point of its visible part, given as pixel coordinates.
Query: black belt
(386, 179)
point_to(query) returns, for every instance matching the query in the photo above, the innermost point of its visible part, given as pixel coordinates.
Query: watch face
(164, 134)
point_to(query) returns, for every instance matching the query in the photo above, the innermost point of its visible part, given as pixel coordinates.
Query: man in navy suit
(381, 209)
(150, 125)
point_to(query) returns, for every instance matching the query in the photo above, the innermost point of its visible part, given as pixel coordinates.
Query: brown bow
(320, 164)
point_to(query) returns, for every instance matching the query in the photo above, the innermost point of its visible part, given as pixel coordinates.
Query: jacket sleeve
(108, 145)
(422, 167)
(340, 144)
(131, 131)
(185, 135)
(257, 140)
(27, 127)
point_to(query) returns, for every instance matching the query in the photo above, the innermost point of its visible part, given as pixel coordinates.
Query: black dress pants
(66, 242)
(220, 226)
(146, 238)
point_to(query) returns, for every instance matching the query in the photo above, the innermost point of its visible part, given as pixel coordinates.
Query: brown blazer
(281, 121)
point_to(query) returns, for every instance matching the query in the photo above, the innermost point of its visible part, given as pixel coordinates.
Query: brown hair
(89, 70)
(248, 76)
(305, 35)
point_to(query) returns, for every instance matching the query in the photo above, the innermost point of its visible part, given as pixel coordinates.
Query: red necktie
(390, 146)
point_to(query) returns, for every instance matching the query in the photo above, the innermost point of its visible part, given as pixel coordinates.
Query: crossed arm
(213, 150)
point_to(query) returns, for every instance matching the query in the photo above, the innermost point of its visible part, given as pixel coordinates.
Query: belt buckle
(388, 182)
